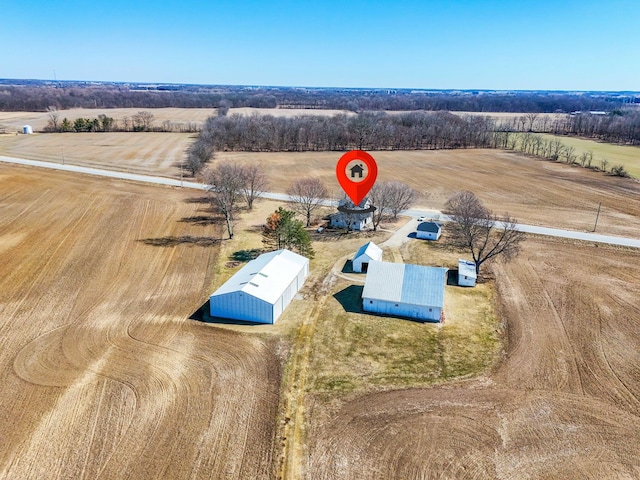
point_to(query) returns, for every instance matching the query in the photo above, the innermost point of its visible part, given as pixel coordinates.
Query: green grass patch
(625, 155)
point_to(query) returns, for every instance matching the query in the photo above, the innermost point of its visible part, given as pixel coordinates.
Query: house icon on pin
(357, 168)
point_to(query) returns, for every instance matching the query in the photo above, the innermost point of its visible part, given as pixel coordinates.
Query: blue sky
(565, 45)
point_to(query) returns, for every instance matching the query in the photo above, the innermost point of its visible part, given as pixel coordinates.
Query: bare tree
(307, 195)
(225, 183)
(531, 119)
(569, 155)
(142, 121)
(390, 198)
(379, 198)
(477, 229)
(400, 197)
(53, 119)
(198, 154)
(223, 107)
(255, 183)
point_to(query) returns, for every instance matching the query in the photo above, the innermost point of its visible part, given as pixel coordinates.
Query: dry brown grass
(354, 351)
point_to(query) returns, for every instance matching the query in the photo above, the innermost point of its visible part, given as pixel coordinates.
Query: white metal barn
(366, 254)
(466, 273)
(27, 130)
(429, 231)
(262, 289)
(411, 291)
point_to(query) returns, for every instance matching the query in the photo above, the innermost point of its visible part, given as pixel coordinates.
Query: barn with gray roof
(411, 291)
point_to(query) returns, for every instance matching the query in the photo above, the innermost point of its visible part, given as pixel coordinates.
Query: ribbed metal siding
(240, 306)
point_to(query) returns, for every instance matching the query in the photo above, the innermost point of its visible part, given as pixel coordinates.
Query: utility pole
(63, 155)
(597, 216)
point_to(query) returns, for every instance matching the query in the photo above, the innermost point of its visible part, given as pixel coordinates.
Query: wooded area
(35, 95)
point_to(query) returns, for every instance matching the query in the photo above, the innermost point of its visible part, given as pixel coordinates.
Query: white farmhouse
(429, 231)
(262, 289)
(411, 291)
(466, 273)
(366, 254)
(354, 221)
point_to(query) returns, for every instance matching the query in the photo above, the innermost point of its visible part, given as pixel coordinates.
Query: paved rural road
(552, 232)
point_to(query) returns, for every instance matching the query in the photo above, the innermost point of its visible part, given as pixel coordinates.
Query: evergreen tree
(282, 230)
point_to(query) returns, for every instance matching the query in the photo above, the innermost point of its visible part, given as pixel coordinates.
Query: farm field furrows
(103, 374)
(534, 191)
(563, 404)
(146, 153)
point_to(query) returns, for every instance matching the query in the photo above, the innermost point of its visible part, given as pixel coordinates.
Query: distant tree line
(365, 131)
(621, 126)
(617, 126)
(139, 122)
(39, 95)
(39, 98)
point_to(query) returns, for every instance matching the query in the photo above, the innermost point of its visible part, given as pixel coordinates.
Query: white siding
(262, 289)
(241, 306)
(357, 263)
(466, 273)
(419, 312)
(427, 235)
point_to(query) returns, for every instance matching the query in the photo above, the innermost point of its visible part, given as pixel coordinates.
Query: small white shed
(411, 291)
(366, 254)
(429, 231)
(27, 130)
(466, 273)
(262, 289)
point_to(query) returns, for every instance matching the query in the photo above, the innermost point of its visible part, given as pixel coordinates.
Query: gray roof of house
(405, 283)
(432, 227)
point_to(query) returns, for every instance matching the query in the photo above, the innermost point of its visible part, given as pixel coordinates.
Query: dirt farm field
(140, 152)
(534, 191)
(103, 375)
(564, 403)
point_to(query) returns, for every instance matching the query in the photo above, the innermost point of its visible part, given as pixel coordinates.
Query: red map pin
(356, 190)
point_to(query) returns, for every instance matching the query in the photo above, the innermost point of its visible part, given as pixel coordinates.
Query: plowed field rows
(103, 375)
(564, 404)
(141, 152)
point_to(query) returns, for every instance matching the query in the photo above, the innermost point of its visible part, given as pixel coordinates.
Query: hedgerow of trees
(365, 131)
(553, 149)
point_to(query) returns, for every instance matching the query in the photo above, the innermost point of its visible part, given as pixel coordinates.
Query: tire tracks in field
(294, 431)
